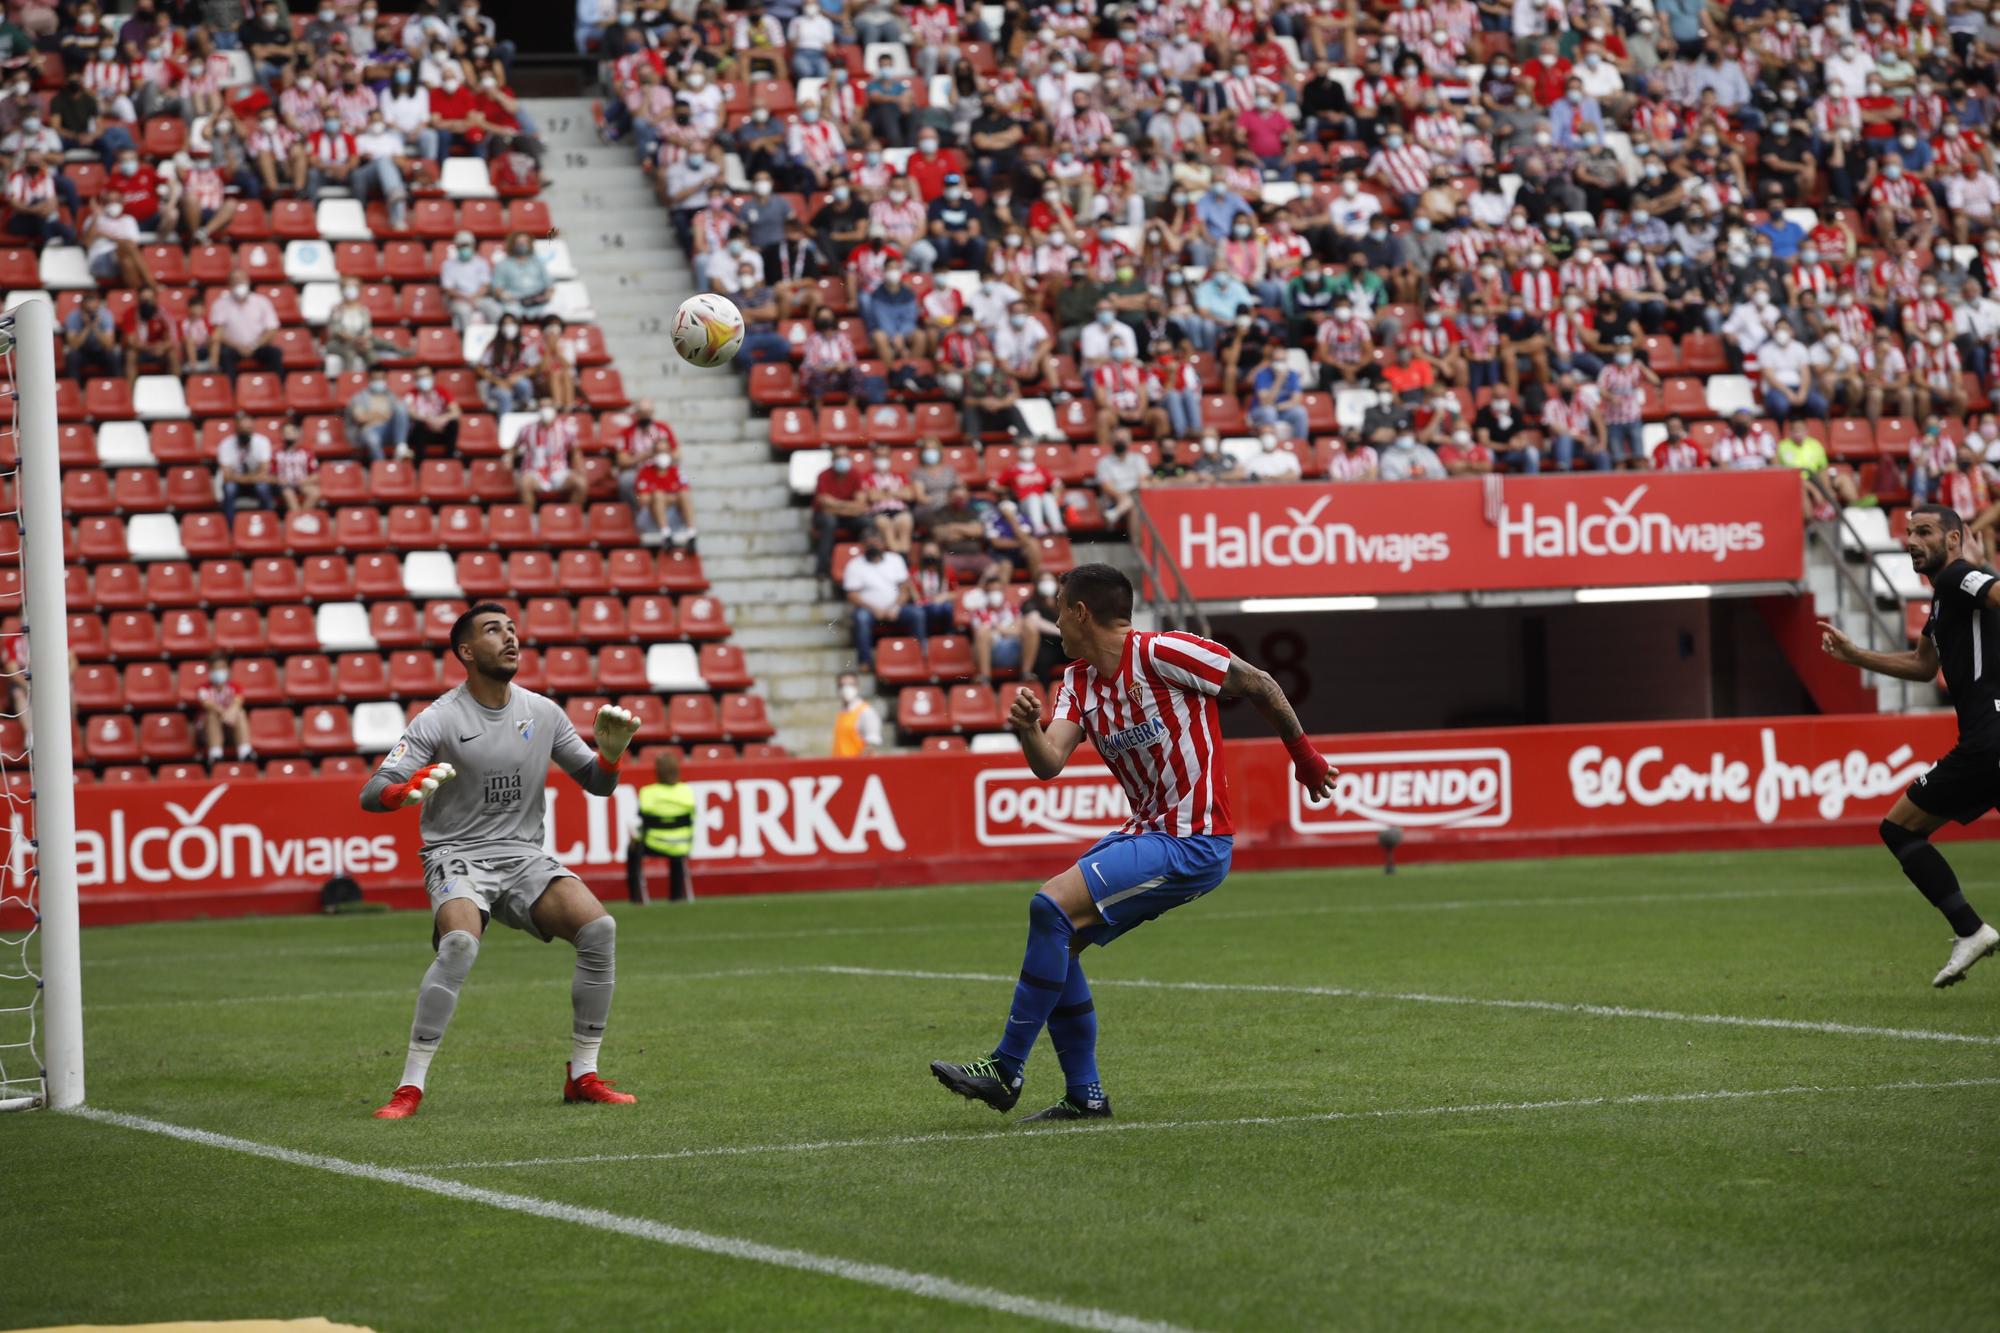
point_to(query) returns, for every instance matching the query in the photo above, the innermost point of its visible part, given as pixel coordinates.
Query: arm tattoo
(1249, 682)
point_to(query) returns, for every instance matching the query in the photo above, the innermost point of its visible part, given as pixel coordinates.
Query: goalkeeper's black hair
(1103, 590)
(461, 629)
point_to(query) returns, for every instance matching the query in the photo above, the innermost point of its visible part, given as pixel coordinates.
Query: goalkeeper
(476, 761)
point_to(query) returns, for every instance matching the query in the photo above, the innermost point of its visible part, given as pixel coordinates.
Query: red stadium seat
(291, 629)
(654, 724)
(274, 731)
(744, 718)
(794, 428)
(239, 629)
(582, 711)
(512, 525)
(921, 709)
(309, 678)
(602, 388)
(569, 670)
(482, 574)
(460, 526)
(101, 539)
(723, 667)
(356, 528)
(166, 736)
(973, 708)
(395, 624)
(327, 729)
(391, 482)
(947, 744)
(703, 618)
(412, 528)
(774, 384)
(413, 673)
(88, 637)
(583, 572)
(898, 661)
(694, 718)
(224, 581)
(362, 676)
(282, 769)
(654, 618)
(613, 524)
(602, 619)
(549, 620)
(680, 571)
(110, 739)
(183, 634)
(98, 689)
(951, 657)
(256, 678)
(258, 532)
(622, 668)
(168, 583)
(562, 525)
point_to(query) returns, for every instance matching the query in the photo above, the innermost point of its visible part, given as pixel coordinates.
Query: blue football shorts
(1134, 877)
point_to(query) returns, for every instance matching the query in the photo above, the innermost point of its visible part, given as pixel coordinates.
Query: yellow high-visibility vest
(666, 818)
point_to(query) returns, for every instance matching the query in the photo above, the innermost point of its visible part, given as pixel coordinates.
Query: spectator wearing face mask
(351, 343)
(877, 585)
(506, 369)
(36, 199)
(555, 363)
(1406, 459)
(1036, 490)
(434, 417)
(547, 458)
(838, 510)
(891, 314)
(1001, 637)
(111, 240)
(1277, 395)
(296, 470)
(223, 717)
(241, 322)
(521, 280)
(154, 339)
(663, 492)
(377, 422)
(857, 727)
(244, 461)
(991, 400)
(384, 165)
(888, 495)
(467, 279)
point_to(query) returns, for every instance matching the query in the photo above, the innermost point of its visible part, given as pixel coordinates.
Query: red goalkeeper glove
(1308, 764)
(419, 787)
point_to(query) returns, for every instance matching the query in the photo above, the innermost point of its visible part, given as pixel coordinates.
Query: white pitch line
(641, 1228)
(1307, 1118)
(1420, 997)
(1211, 914)
(406, 992)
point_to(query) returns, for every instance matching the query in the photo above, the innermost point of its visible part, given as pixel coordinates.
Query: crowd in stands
(286, 409)
(1058, 252)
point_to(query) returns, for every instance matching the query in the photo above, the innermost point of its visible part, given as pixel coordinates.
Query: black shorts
(1962, 786)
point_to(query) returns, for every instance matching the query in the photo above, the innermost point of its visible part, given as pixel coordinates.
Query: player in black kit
(1962, 634)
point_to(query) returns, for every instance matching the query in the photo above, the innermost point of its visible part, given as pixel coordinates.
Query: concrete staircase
(754, 543)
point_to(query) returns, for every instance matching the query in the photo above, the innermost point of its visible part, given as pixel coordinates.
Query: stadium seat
(946, 744)
(622, 669)
(583, 572)
(257, 679)
(284, 769)
(613, 524)
(459, 526)
(274, 731)
(109, 739)
(654, 725)
(327, 729)
(898, 661)
(973, 708)
(415, 673)
(950, 657)
(582, 711)
(681, 572)
(654, 618)
(723, 667)
(182, 634)
(168, 583)
(88, 635)
(703, 617)
(395, 624)
(569, 670)
(362, 676)
(921, 709)
(549, 620)
(602, 619)
(98, 689)
(391, 482)
(166, 736)
(292, 629)
(694, 718)
(562, 525)
(443, 481)
(672, 668)
(223, 581)
(744, 718)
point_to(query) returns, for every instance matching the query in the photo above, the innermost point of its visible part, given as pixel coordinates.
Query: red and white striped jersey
(545, 449)
(1410, 25)
(1898, 193)
(1126, 385)
(1407, 169)
(1816, 277)
(1569, 331)
(277, 140)
(27, 190)
(1855, 322)
(1440, 131)
(299, 104)
(1884, 359)
(1739, 453)
(1925, 311)
(937, 24)
(1938, 366)
(1084, 130)
(333, 149)
(1346, 341)
(1682, 455)
(1360, 464)
(204, 185)
(1537, 289)
(905, 222)
(1570, 418)
(1156, 727)
(1933, 454)
(1898, 277)
(1481, 341)
(1587, 276)
(107, 79)
(1433, 342)
(353, 105)
(1926, 113)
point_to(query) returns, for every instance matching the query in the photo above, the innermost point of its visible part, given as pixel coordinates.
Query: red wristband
(1300, 747)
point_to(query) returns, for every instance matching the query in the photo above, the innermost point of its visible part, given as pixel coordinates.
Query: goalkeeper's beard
(499, 673)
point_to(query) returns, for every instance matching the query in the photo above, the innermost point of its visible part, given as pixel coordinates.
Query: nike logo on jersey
(473, 737)
(1100, 875)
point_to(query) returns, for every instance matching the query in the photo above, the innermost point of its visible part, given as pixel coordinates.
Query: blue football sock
(1073, 1029)
(1044, 969)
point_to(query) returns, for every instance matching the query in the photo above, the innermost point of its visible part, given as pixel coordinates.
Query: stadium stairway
(1863, 692)
(753, 544)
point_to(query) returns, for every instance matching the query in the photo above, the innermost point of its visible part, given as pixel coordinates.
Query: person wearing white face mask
(351, 343)
(223, 716)
(241, 322)
(547, 459)
(111, 238)
(857, 728)
(377, 422)
(661, 488)
(1786, 377)
(434, 417)
(1001, 636)
(384, 160)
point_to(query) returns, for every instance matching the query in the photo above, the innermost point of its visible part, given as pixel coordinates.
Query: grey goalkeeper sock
(590, 992)
(437, 996)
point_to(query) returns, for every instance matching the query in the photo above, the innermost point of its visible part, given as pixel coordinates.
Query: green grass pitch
(1416, 1162)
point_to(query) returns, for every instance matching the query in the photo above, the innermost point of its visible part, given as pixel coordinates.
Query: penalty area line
(1468, 1001)
(1305, 1118)
(884, 1276)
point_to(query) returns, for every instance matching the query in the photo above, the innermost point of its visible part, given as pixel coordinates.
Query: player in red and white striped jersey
(1147, 702)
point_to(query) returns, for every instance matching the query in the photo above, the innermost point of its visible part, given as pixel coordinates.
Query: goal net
(41, 993)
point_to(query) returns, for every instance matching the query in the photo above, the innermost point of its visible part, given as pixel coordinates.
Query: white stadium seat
(154, 537)
(377, 726)
(343, 627)
(672, 667)
(159, 398)
(431, 574)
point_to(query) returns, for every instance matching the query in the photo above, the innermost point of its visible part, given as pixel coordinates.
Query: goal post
(51, 948)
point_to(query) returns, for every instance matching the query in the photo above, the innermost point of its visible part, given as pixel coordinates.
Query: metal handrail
(1177, 605)
(1884, 634)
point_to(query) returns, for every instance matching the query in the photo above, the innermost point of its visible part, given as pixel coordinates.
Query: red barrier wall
(177, 850)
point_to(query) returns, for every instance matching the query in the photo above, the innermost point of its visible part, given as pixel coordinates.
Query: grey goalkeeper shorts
(504, 887)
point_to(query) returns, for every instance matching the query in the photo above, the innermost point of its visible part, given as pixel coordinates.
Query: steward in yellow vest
(666, 828)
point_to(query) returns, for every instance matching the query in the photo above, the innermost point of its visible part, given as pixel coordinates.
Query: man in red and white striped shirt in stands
(333, 156)
(1901, 205)
(1747, 445)
(1127, 393)
(1147, 703)
(1678, 453)
(1403, 166)
(547, 458)
(1936, 366)
(1536, 285)
(815, 143)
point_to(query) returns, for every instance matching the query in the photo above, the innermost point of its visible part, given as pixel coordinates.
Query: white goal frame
(38, 498)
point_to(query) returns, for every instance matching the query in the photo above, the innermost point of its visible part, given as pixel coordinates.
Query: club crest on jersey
(1136, 692)
(526, 726)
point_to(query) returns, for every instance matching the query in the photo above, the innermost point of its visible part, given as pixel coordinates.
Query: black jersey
(1967, 635)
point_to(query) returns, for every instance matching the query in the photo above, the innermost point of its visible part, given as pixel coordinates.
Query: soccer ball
(708, 329)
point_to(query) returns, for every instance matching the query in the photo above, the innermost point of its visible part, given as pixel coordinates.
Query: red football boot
(403, 1104)
(591, 1088)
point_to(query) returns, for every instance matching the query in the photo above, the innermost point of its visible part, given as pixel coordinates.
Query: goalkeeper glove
(422, 785)
(614, 729)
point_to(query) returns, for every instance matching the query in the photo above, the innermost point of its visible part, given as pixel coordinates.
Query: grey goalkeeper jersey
(502, 755)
